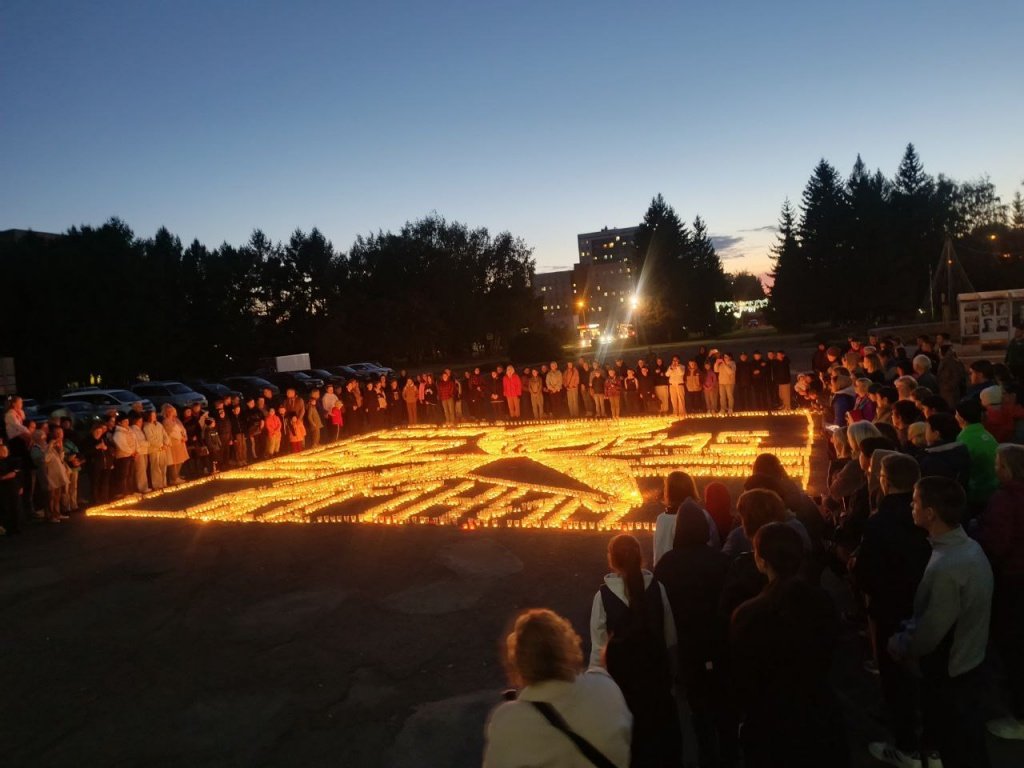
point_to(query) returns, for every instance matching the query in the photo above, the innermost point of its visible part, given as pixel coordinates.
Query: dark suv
(296, 380)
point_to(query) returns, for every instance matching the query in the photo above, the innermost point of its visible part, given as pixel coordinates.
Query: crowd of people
(921, 516)
(921, 523)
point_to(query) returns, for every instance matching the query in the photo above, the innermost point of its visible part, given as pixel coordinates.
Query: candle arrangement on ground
(568, 474)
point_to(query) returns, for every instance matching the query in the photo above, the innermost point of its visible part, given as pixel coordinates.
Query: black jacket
(950, 460)
(693, 578)
(891, 560)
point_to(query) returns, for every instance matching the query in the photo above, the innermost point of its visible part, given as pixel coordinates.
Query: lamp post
(581, 305)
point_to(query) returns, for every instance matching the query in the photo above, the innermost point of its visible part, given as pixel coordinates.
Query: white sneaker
(888, 754)
(1006, 728)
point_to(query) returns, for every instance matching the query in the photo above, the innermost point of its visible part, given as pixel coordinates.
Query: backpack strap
(588, 750)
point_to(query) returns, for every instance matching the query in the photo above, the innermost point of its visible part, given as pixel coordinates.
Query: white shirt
(141, 442)
(518, 736)
(14, 421)
(676, 375)
(599, 620)
(156, 436)
(124, 443)
(329, 401)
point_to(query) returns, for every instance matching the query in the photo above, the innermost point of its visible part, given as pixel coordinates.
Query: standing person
(99, 462)
(759, 375)
(633, 633)
(428, 397)
(1001, 534)
(725, 368)
(693, 574)
(327, 405)
(10, 491)
(631, 390)
(57, 477)
(125, 448)
(981, 447)
(411, 396)
(661, 386)
(676, 375)
(680, 491)
(314, 421)
(141, 461)
(782, 643)
(586, 398)
(597, 382)
(512, 390)
(535, 385)
(252, 423)
(947, 635)
(887, 569)
(446, 394)
(395, 405)
(613, 393)
(645, 385)
(710, 385)
(1014, 359)
(178, 436)
(694, 387)
(296, 433)
(272, 427)
(159, 450)
(782, 377)
(571, 382)
(554, 383)
(294, 404)
(744, 383)
(461, 392)
(544, 662)
(239, 440)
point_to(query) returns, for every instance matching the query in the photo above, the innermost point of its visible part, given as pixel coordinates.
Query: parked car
(250, 386)
(350, 373)
(212, 390)
(170, 393)
(326, 376)
(81, 413)
(373, 369)
(296, 380)
(104, 401)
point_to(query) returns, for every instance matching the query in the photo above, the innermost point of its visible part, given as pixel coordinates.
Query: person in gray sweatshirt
(946, 638)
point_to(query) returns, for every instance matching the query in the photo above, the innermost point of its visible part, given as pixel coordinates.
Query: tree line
(101, 301)
(864, 249)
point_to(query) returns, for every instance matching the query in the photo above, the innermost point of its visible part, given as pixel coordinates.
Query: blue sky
(543, 118)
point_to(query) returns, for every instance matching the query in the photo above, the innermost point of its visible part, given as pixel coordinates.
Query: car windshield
(124, 396)
(178, 389)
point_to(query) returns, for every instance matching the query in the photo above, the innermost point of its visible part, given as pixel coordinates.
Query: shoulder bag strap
(588, 750)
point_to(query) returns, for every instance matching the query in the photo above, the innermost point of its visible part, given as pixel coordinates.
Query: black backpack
(636, 656)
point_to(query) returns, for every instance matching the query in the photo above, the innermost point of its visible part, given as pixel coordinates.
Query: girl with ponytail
(633, 636)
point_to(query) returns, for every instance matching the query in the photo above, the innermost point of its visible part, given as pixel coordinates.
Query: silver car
(104, 401)
(170, 393)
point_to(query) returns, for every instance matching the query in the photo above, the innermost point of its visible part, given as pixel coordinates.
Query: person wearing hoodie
(944, 456)
(679, 490)
(693, 574)
(633, 636)
(1000, 532)
(843, 395)
(887, 568)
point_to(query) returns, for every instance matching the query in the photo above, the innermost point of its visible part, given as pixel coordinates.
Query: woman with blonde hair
(178, 454)
(555, 698)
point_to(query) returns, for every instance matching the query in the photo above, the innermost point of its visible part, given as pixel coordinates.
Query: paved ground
(160, 643)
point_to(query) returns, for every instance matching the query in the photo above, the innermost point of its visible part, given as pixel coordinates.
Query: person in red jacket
(446, 389)
(512, 388)
(1001, 534)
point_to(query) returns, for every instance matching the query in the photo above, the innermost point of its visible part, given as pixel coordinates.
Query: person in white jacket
(680, 489)
(544, 660)
(141, 458)
(159, 450)
(725, 367)
(125, 447)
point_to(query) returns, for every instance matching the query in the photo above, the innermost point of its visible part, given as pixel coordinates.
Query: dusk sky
(543, 118)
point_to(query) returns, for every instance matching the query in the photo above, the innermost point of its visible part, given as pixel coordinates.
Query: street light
(581, 305)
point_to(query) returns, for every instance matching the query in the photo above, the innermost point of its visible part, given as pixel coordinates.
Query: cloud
(725, 242)
(730, 256)
(765, 228)
(549, 268)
